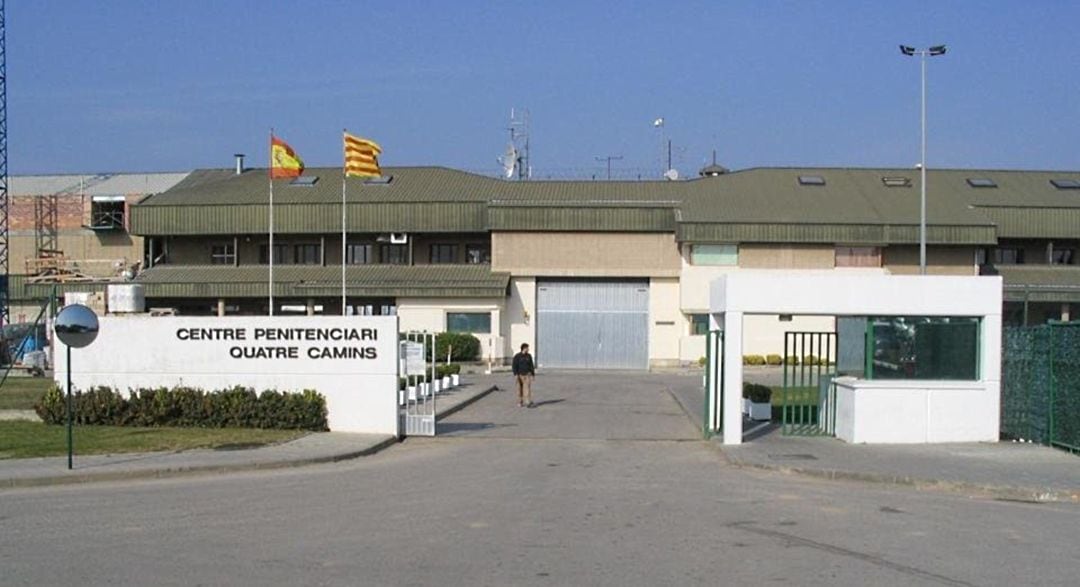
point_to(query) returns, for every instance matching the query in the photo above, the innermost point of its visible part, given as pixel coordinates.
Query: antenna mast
(519, 139)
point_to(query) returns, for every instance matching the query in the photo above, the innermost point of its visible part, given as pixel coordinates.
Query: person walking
(524, 371)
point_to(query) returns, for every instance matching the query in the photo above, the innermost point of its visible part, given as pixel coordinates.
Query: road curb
(1001, 492)
(183, 471)
(464, 404)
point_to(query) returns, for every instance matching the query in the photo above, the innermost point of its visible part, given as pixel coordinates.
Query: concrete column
(1065, 312)
(990, 361)
(221, 307)
(733, 377)
(311, 306)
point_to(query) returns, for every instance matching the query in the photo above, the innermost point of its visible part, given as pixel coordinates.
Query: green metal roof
(217, 281)
(753, 205)
(1041, 283)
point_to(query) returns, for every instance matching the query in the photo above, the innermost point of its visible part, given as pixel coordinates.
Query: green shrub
(791, 360)
(774, 359)
(753, 360)
(238, 407)
(447, 369)
(701, 362)
(463, 346)
(810, 360)
(758, 394)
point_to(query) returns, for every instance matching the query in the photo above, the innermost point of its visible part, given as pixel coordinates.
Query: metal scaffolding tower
(4, 198)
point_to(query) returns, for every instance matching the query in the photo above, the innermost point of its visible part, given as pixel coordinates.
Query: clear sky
(171, 86)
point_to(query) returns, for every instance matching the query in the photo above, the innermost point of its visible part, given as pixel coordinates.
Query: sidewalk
(319, 447)
(1002, 470)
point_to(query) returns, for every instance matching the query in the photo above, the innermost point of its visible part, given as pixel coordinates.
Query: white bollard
(455, 380)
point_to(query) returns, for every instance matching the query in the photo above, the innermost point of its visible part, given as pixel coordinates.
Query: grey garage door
(592, 324)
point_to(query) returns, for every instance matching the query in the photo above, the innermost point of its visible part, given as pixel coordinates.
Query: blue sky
(162, 86)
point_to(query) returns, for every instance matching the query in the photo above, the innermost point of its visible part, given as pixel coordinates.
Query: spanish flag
(284, 162)
(361, 157)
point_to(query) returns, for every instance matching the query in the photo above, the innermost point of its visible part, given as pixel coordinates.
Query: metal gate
(714, 383)
(807, 399)
(417, 384)
(592, 324)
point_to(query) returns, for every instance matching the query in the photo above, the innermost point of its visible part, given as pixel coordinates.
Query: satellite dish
(671, 174)
(509, 161)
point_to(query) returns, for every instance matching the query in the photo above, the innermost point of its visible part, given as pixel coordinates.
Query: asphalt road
(512, 496)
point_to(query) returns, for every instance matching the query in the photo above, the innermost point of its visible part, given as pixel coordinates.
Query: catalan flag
(361, 157)
(284, 162)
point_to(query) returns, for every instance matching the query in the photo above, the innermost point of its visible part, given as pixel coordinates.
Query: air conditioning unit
(399, 238)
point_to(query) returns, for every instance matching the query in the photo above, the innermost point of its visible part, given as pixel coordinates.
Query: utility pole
(609, 159)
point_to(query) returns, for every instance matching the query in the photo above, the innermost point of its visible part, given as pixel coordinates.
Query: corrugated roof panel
(115, 184)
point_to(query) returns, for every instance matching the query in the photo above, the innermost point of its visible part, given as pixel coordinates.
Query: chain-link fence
(1040, 396)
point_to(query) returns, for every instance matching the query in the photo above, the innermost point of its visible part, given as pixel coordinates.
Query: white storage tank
(126, 298)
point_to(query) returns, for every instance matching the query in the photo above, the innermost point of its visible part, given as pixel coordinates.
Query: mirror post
(69, 442)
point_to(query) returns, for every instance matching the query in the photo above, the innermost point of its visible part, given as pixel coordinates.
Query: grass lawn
(20, 439)
(795, 396)
(21, 393)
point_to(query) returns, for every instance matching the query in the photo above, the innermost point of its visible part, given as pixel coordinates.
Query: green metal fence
(807, 401)
(1040, 395)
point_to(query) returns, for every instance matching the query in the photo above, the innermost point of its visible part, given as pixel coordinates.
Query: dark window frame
(443, 254)
(223, 253)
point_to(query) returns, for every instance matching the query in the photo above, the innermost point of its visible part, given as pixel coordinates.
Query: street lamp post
(923, 54)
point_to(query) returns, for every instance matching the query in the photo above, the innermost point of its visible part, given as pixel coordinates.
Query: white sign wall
(351, 360)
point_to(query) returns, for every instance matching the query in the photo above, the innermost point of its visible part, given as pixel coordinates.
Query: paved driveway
(580, 405)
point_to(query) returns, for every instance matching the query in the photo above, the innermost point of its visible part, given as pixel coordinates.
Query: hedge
(463, 346)
(753, 360)
(757, 393)
(238, 407)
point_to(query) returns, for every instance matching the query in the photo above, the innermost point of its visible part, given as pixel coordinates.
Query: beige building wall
(576, 254)
(666, 323)
(520, 315)
(429, 314)
(904, 260)
(93, 253)
(770, 256)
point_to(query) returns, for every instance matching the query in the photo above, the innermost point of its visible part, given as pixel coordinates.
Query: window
(981, 182)
(358, 254)
(1062, 256)
(811, 180)
(279, 254)
(307, 255)
(305, 181)
(444, 253)
(1008, 256)
(699, 324)
(223, 254)
(472, 322)
(858, 256)
(394, 254)
(107, 213)
(919, 347)
(1066, 184)
(714, 255)
(477, 254)
(896, 181)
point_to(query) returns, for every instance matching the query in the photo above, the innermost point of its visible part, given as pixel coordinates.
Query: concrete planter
(746, 405)
(761, 412)
(455, 380)
(412, 393)
(446, 382)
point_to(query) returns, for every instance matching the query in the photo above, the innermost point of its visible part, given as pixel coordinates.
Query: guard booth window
(922, 347)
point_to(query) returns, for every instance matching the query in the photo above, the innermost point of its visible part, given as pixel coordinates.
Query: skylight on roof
(381, 180)
(811, 180)
(305, 180)
(896, 182)
(981, 182)
(1066, 184)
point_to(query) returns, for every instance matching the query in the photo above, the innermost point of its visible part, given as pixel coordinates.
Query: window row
(728, 255)
(355, 254)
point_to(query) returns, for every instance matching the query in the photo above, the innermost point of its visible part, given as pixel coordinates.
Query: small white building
(953, 398)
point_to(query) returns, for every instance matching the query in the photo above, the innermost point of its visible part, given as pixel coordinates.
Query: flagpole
(271, 252)
(343, 132)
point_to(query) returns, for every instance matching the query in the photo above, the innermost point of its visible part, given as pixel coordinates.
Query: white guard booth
(879, 410)
(351, 360)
